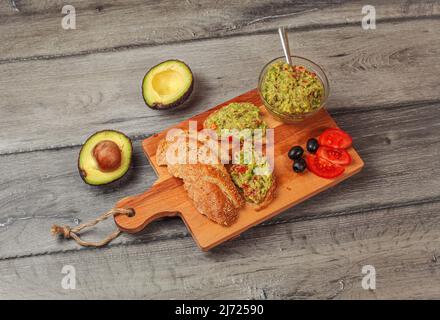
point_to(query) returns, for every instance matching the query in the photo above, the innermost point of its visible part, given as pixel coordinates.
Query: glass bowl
(295, 117)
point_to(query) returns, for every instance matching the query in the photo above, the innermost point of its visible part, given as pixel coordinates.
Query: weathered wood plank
(400, 147)
(303, 260)
(53, 103)
(118, 24)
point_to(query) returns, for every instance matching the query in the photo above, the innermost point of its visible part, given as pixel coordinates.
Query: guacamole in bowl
(292, 92)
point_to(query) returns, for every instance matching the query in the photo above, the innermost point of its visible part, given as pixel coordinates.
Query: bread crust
(208, 185)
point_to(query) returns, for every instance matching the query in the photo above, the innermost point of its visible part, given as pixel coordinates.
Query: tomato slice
(240, 168)
(335, 156)
(335, 138)
(323, 168)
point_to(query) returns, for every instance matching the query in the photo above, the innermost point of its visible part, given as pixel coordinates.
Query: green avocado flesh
(167, 85)
(105, 157)
(238, 116)
(253, 177)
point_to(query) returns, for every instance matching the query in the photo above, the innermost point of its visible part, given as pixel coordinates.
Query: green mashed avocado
(292, 89)
(238, 116)
(254, 178)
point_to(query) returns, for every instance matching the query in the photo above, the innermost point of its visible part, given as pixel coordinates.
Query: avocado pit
(107, 155)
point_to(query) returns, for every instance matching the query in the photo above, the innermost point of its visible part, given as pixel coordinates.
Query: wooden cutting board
(167, 196)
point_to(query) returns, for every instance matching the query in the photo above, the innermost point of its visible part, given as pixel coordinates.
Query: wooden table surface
(58, 86)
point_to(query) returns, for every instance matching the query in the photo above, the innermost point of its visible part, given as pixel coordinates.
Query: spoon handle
(285, 44)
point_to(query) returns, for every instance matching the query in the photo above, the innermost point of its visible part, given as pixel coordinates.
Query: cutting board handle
(151, 205)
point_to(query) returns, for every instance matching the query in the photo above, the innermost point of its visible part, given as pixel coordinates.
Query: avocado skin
(83, 174)
(178, 102)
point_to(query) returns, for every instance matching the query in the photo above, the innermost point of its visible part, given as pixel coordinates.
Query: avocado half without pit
(105, 157)
(167, 85)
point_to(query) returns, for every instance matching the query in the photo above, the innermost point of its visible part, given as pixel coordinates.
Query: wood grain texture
(57, 87)
(311, 259)
(43, 187)
(107, 25)
(61, 102)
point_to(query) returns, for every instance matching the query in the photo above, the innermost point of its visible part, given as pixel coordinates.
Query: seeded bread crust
(208, 185)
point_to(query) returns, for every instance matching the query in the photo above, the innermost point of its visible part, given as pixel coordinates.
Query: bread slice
(245, 178)
(213, 192)
(208, 185)
(231, 117)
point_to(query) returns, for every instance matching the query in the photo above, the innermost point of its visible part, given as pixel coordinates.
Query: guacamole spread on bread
(235, 116)
(253, 177)
(292, 89)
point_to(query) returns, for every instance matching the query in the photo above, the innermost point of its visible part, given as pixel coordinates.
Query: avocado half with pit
(167, 85)
(105, 157)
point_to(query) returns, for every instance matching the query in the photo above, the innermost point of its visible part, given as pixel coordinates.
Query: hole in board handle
(132, 212)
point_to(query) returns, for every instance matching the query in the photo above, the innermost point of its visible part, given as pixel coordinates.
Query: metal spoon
(285, 43)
